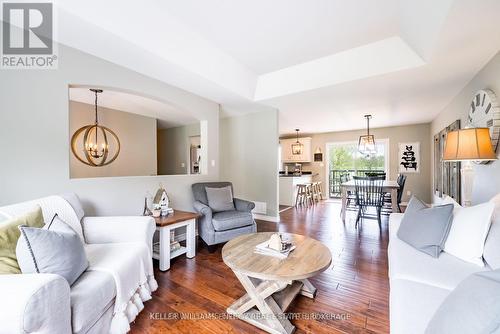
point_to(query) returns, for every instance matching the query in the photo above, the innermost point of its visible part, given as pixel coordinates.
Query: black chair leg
(358, 217)
(379, 218)
(212, 248)
(399, 208)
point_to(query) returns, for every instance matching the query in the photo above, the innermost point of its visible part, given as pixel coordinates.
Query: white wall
(487, 177)
(249, 156)
(34, 135)
(173, 149)
(137, 135)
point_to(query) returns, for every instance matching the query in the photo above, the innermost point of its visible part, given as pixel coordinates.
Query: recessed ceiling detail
(382, 57)
(318, 62)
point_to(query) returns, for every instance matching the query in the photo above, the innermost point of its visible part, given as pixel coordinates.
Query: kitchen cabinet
(288, 188)
(286, 150)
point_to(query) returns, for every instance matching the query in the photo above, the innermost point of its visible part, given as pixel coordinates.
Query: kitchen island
(288, 187)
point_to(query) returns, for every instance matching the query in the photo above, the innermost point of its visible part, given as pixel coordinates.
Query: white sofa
(419, 283)
(45, 303)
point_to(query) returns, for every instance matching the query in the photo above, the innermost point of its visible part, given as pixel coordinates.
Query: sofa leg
(211, 248)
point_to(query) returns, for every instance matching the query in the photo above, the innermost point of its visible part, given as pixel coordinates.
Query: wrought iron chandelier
(366, 144)
(95, 142)
(297, 147)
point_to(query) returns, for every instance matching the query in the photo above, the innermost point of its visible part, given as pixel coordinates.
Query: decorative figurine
(146, 211)
(277, 243)
(161, 199)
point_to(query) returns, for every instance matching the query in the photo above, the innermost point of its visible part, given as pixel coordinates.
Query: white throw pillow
(468, 232)
(492, 245)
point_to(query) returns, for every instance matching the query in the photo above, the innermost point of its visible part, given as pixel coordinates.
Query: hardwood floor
(355, 287)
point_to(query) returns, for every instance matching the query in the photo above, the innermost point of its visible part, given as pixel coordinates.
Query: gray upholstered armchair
(217, 227)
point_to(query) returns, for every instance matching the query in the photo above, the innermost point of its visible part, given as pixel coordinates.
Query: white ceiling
(267, 36)
(322, 63)
(168, 115)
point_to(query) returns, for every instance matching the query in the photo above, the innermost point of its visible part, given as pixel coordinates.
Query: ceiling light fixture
(95, 144)
(297, 147)
(366, 144)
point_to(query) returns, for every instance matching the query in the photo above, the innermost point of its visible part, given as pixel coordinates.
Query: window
(345, 159)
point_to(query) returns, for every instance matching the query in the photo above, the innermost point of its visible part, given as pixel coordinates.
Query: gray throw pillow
(426, 228)
(472, 308)
(220, 199)
(53, 249)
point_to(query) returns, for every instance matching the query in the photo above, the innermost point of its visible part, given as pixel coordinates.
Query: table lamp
(472, 144)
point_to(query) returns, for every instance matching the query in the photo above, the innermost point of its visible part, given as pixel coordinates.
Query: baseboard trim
(274, 219)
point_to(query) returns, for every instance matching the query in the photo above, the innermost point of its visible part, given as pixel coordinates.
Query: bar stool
(320, 190)
(309, 194)
(304, 196)
(315, 192)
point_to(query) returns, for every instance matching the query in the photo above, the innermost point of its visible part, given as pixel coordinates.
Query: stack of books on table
(166, 211)
(264, 249)
(175, 245)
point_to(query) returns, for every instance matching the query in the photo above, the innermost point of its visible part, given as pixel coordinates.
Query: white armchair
(102, 230)
(45, 303)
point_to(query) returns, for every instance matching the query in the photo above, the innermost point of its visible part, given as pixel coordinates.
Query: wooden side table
(171, 222)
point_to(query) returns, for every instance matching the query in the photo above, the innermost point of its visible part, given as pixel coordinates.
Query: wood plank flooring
(355, 288)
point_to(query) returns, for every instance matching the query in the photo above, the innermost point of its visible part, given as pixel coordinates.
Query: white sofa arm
(100, 230)
(34, 303)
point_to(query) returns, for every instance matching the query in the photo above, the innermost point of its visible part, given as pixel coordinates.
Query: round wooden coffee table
(272, 283)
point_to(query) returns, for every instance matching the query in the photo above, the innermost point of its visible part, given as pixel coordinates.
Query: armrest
(242, 205)
(203, 209)
(28, 302)
(102, 230)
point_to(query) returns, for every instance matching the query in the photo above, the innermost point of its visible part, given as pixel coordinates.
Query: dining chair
(369, 193)
(374, 174)
(349, 196)
(401, 180)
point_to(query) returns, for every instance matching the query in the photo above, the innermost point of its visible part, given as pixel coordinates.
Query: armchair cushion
(229, 220)
(242, 205)
(200, 194)
(220, 199)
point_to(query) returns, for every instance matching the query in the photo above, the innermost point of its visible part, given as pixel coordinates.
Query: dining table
(388, 186)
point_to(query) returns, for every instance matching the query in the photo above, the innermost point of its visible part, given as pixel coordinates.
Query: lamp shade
(469, 144)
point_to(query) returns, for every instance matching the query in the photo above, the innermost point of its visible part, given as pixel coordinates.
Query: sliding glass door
(344, 159)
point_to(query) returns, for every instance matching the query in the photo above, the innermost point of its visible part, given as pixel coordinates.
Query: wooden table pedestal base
(271, 299)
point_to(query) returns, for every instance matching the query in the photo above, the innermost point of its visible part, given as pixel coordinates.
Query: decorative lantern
(366, 144)
(297, 147)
